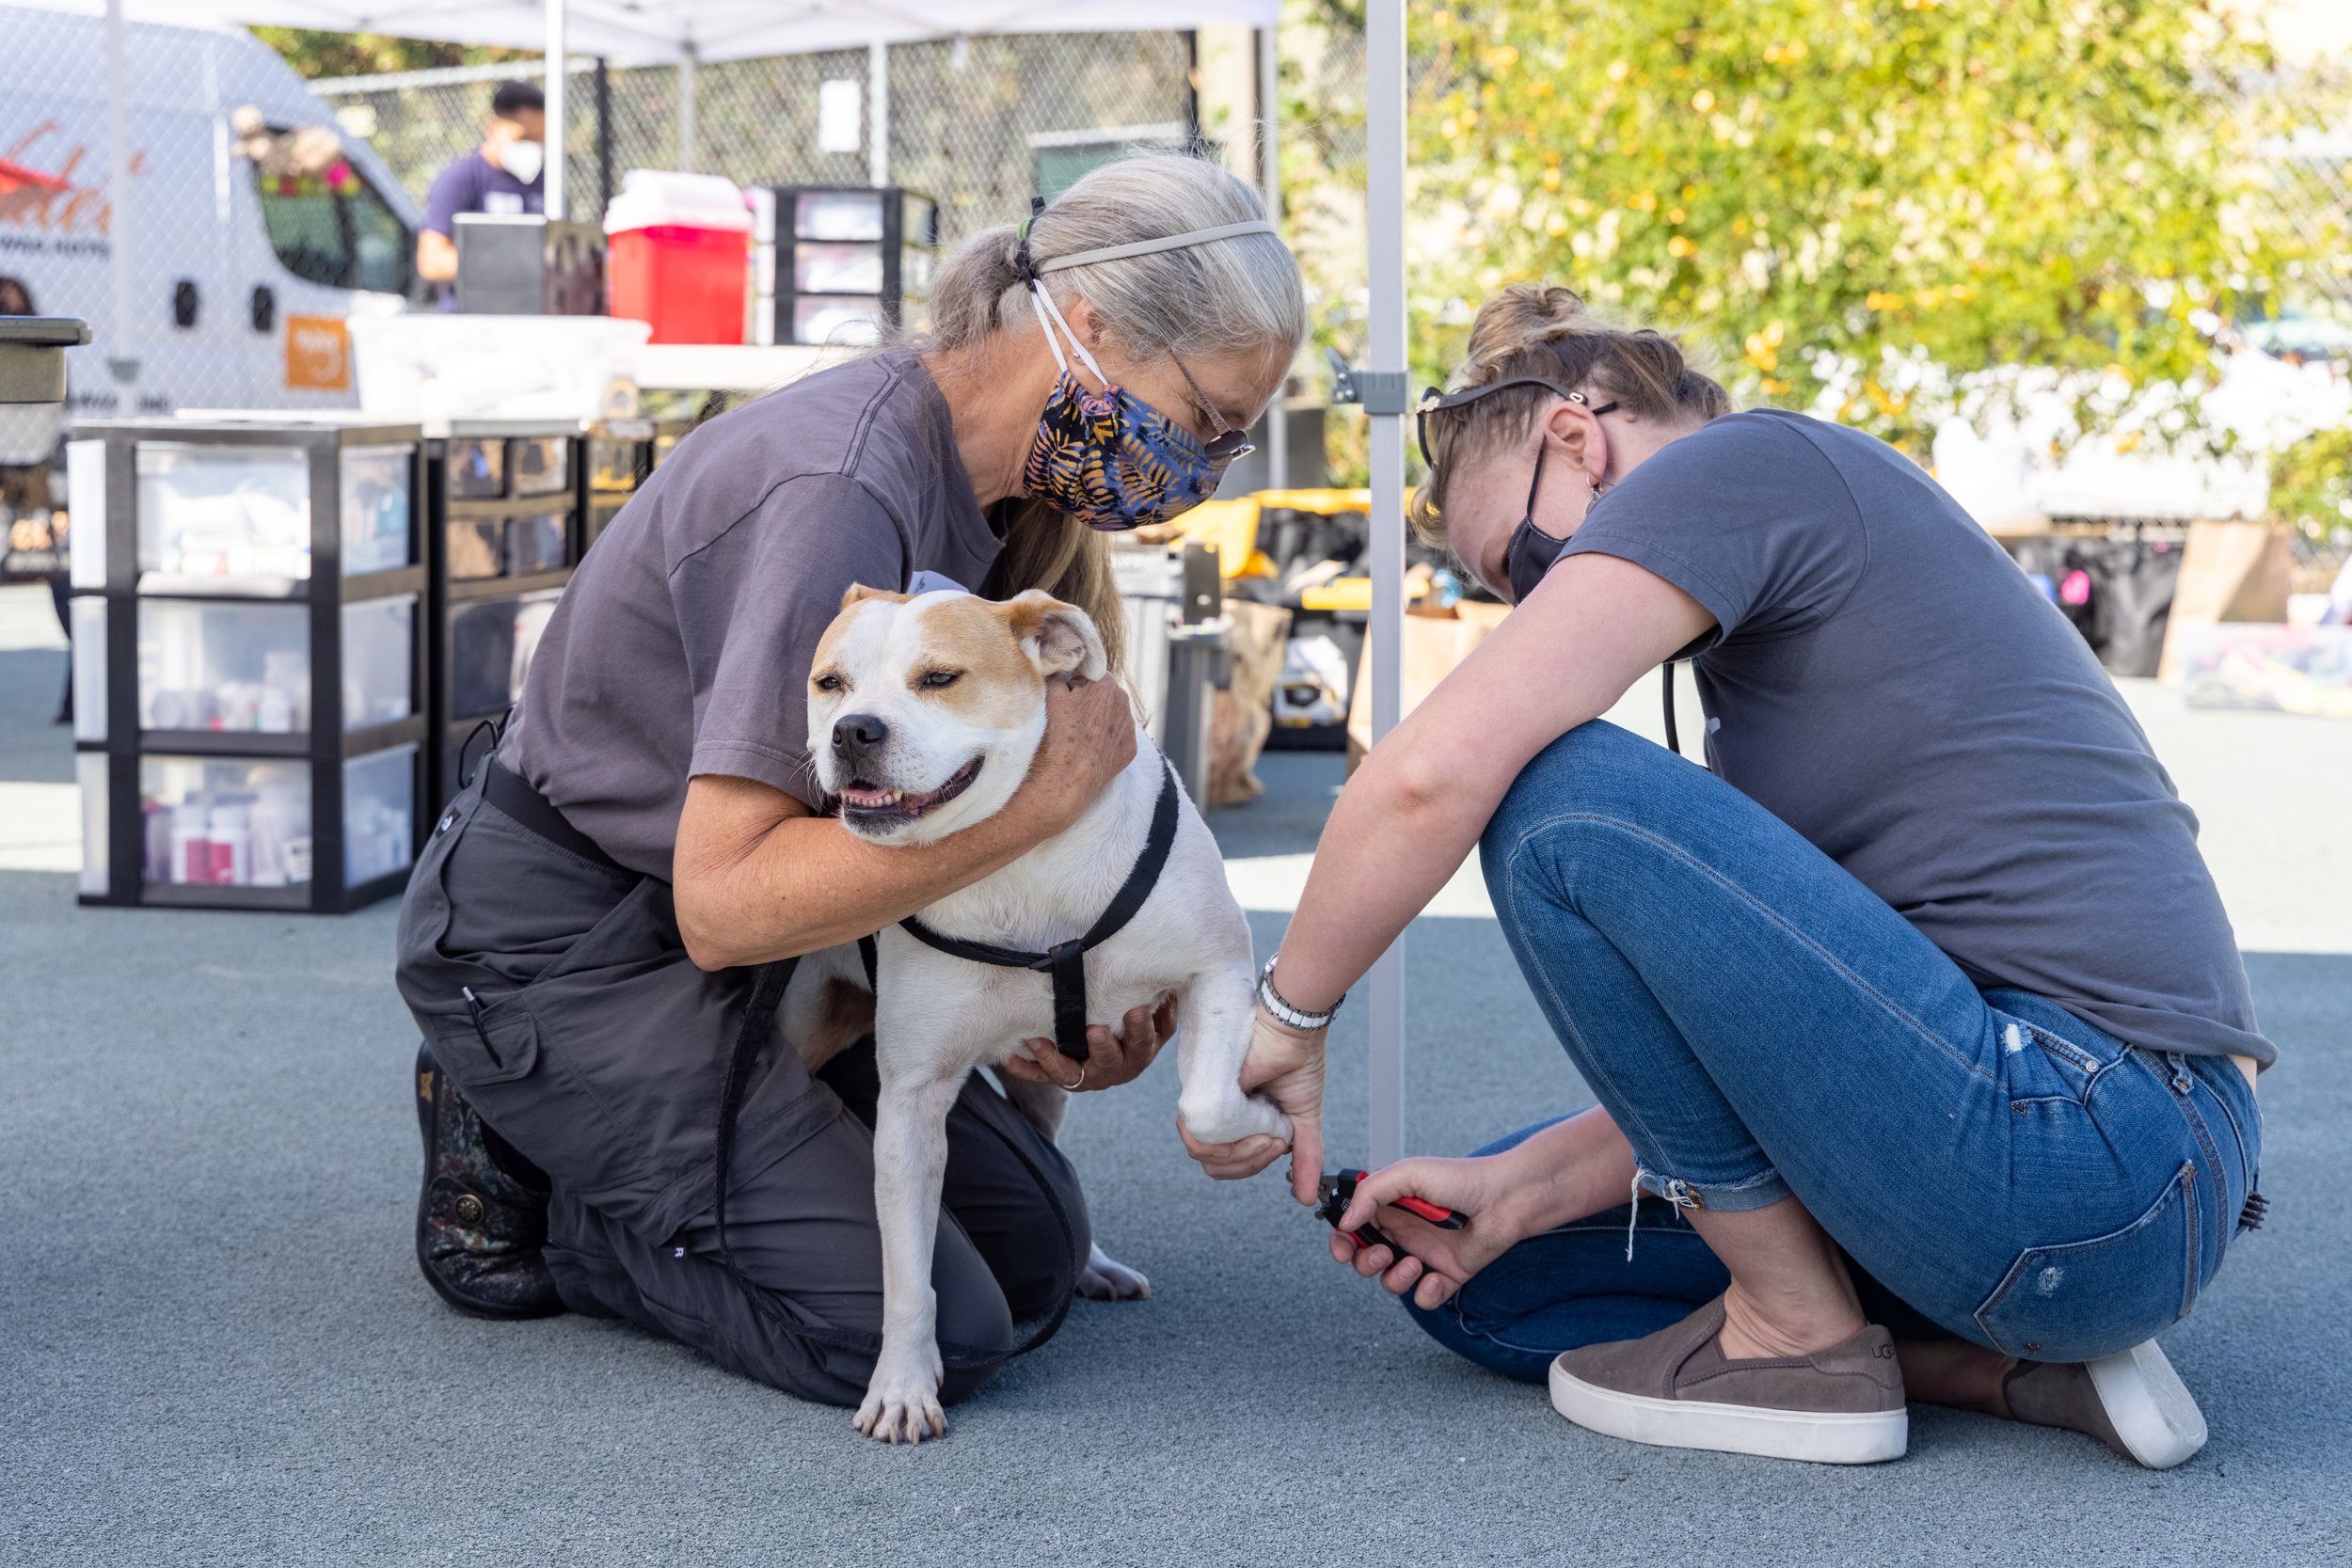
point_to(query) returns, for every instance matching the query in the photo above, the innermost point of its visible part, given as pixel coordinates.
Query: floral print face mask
(1108, 458)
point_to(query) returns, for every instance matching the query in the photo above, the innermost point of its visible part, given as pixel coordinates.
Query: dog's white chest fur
(1187, 924)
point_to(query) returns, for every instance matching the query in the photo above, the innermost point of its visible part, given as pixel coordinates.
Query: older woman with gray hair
(581, 936)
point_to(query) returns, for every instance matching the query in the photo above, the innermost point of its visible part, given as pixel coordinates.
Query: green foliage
(1837, 195)
(2311, 485)
(316, 54)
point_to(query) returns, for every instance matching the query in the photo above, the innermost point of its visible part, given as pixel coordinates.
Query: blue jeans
(1758, 1024)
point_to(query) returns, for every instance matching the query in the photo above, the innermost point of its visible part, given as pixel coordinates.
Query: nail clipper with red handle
(1338, 1189)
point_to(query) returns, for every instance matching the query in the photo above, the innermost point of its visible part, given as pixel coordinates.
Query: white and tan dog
(924, 714)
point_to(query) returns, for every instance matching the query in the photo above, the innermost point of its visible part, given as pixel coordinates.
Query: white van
(240, 281)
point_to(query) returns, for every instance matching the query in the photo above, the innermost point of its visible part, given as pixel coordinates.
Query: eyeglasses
(1228, 446)
(1434, 401)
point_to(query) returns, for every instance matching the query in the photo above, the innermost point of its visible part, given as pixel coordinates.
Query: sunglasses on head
(1531, 551)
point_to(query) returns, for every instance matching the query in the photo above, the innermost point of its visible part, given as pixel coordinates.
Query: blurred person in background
(503, 177)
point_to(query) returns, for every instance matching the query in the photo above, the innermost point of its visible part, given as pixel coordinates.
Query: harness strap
(1066, 963)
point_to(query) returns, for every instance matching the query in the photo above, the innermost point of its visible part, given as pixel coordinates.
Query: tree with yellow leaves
(1855, 201)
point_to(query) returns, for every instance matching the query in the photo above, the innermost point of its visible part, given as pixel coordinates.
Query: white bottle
(232, 832)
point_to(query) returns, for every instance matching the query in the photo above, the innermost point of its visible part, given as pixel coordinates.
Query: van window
(334, 228)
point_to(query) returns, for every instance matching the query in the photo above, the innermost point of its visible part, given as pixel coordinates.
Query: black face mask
(1529, 551)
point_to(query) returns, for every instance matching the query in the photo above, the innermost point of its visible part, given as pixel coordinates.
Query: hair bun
(1522, 317)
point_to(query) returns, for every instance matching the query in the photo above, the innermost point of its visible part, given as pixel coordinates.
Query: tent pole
(878, 106)
(557, 141)
(1278, 457)
(124, 339)
(687, 61)
(604, 134)
(1384, 401)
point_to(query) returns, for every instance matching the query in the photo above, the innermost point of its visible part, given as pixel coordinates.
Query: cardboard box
(1433, 646)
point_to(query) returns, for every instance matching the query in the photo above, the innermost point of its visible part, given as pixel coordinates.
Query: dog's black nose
(856, 733)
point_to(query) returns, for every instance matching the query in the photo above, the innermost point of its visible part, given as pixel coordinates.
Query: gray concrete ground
(214, 1348)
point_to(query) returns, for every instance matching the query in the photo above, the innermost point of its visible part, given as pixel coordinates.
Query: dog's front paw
(1106, 1278)
(1231, 1118)
(902, 1401)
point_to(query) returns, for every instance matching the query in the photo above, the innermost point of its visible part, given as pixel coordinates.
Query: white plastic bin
(376, 485)
(379, 814)
(208, 513)
(224, 666)
(380, 660)
(430, 366)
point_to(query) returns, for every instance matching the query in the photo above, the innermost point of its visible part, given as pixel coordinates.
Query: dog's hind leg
(910, 1163)
(1217, 1011)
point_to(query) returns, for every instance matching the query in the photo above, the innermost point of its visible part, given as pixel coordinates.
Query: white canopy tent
(685, 32)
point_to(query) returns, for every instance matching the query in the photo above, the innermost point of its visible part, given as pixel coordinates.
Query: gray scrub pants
(598, 1050)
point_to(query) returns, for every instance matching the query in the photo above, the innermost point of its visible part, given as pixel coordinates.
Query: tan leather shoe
(2133, 1401)
(1843, 1405)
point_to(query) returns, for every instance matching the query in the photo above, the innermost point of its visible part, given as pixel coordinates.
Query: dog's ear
(1058, 637)
(858, 593)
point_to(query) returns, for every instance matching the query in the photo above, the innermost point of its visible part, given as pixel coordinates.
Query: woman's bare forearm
(1413, 812)
(796, 883)
(1569, 1171)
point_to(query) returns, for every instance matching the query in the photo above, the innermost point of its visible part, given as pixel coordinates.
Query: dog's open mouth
(871, 805)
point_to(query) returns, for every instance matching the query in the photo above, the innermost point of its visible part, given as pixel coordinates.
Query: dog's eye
(934, 679)
(829, 683)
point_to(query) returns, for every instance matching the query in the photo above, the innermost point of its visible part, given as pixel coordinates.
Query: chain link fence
(972, 122)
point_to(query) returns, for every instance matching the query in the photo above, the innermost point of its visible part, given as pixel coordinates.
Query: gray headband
(1145, 247)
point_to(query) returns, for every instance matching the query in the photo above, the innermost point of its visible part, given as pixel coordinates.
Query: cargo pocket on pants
(2087, 1299)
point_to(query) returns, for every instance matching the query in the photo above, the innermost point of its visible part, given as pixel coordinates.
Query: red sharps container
(680, 255)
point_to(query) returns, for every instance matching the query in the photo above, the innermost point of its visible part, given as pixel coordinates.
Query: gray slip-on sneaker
(1843, 1405)
(2133, 1401)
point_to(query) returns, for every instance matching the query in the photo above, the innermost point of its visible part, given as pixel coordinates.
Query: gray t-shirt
(682, 644)
(1887, 682)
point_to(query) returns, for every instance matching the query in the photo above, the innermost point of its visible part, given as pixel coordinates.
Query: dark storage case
(506, 499)
(249, 601)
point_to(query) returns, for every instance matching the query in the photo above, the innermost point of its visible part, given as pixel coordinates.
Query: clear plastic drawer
(476, 548)
(90, 772)
(844, 321)
(225, 821)
(491, 643)
(221, 666)
(380, 660)
(236, 513)
(379, 814)
(539, 466)
(89, 668)
(534, 543)
(837, 269)
(838, 215)
(477, 470)
(376, 508)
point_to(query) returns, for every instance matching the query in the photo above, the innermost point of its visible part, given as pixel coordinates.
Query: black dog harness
(1066, 963)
